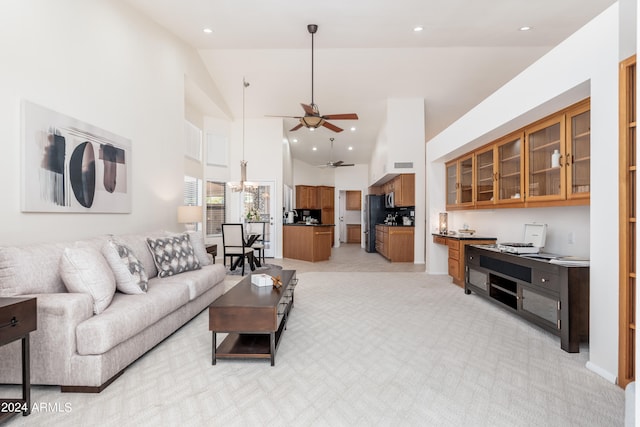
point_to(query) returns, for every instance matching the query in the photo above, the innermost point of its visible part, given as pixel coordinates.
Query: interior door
(260, 199)
(342, 238)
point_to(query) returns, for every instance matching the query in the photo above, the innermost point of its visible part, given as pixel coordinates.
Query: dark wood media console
(552, 296)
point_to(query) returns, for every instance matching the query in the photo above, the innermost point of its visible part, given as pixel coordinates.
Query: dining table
(249, 239)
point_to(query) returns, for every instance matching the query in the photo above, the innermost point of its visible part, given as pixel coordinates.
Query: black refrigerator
(374, 214)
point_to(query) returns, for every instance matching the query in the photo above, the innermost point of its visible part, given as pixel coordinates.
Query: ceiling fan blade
(332, 127)
(338, 163)
(298, 126)
(308, 110)
(285, 117)
(346, 164)
(349, 116)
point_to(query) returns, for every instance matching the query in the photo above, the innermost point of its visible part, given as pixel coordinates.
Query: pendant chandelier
(243, 184)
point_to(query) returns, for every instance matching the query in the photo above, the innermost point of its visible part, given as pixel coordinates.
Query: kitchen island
(307, 242)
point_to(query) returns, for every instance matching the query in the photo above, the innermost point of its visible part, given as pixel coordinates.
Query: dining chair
(234, 246)
(258, 245)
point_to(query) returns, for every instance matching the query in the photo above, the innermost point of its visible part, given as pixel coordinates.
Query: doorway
(258, 205)
(350, 216)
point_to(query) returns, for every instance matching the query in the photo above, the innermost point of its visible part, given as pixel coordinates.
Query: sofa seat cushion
(199, 281)
(127, 315)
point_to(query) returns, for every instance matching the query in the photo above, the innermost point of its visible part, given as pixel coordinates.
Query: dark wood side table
(213, 250)
(18, 317)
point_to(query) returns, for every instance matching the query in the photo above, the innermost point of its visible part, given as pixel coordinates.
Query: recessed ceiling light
(315, 148)
(295, 139)
(208, 30)
(525, 28)
(353, 128)
(350, 148)
(418, 28)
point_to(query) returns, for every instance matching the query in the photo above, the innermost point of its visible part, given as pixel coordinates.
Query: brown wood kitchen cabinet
(354, 200)
(307, 242)
(404, 189)
(354, 233)
(457, 246)
(306, 197)
(395, 243)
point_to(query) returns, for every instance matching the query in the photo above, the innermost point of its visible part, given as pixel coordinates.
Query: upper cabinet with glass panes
(545, 164)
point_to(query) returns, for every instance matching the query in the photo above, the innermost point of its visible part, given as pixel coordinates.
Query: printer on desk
(534, 239)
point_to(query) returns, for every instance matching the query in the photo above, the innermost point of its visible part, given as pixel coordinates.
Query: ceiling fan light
(312, 121)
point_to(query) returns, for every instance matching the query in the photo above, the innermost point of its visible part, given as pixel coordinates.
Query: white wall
(102, 63)
(306, 174)
(586, 62)
(402, 139)
(263, 152)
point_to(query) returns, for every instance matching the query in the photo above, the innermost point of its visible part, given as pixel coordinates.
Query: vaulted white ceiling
(365, 53)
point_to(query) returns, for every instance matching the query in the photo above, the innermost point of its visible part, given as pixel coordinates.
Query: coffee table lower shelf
(246, 346)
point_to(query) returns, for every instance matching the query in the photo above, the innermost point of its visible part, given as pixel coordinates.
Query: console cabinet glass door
(510, 166)
(545, 180)
(478, 278)
(541, 306)
(485, 177)
(578, 159)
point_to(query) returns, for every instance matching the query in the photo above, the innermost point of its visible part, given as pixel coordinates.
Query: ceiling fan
(331, 164)
(312, 118)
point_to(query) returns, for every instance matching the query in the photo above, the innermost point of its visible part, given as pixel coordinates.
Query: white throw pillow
(84, 270)
(199, 248)
(131, 277)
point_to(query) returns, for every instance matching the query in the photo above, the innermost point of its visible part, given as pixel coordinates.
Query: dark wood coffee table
(254, 318)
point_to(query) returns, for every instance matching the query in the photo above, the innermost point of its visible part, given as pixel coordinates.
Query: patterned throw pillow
(131, 277)
(173, 255)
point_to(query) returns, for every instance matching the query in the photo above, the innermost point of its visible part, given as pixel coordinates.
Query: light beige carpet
(361, 349)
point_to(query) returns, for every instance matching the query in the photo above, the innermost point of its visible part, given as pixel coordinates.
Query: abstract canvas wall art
(72, 166)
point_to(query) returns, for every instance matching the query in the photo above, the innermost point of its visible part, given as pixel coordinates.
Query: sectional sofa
(104, 302)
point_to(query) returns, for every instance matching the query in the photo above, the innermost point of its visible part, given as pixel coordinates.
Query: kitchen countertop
(396, 225)
(462, 237)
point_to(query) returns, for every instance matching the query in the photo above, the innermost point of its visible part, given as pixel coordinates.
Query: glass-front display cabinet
(485, 177)
(545, 154)
(510, 166)
(578, 158)
(460, 182)
(452, 184)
